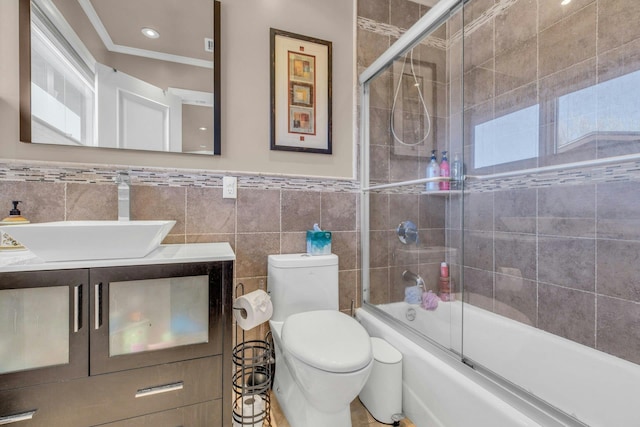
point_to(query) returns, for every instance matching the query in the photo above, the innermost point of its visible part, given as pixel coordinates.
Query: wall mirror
(141, 75)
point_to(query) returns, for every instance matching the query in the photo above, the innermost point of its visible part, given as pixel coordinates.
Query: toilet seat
(327, 340)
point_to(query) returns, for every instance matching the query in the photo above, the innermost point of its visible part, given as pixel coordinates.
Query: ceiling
(182, 24)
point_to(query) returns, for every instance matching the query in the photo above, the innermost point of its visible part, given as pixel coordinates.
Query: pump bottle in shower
(433, 171)
(444, 171)
(457, 170)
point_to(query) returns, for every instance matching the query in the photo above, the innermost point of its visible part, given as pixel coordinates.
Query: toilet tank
(301, 282)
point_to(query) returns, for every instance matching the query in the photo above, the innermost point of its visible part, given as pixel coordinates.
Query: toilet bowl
(327, 359)
(323, 356)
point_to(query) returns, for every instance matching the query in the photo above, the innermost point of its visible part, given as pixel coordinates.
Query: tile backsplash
(270, 215)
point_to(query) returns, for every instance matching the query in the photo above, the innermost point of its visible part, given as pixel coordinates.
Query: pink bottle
(444, 171)
(445, 291)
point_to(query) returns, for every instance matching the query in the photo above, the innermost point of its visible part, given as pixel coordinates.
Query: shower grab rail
(405, 183)
(553, 168)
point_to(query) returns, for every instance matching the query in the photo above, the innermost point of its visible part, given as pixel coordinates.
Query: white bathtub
(438, 391)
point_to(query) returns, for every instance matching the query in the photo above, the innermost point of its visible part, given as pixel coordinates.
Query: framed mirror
(121, 74)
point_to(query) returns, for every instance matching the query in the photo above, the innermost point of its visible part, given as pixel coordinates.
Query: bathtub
(595, 388)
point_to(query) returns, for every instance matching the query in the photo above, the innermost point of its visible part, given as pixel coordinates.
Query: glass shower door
(412, 258)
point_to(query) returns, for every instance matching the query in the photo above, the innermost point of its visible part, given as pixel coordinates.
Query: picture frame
(301, 72)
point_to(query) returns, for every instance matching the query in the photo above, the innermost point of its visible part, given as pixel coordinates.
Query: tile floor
(360, 417)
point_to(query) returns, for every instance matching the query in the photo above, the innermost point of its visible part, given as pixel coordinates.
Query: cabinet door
(148, 315)
(43, 327)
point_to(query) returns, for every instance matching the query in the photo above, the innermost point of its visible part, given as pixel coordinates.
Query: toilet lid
(328, 340)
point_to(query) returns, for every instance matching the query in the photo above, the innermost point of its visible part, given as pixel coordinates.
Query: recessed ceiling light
(565, 2)
(151, 33)
(203, 128)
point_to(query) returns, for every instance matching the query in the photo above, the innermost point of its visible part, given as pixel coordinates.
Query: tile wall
(380, 23)
(270, 215)
(558, 255)
(555, 250)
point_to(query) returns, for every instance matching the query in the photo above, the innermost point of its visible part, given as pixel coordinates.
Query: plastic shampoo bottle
(457, 169)
(444, 171)
(433, 170)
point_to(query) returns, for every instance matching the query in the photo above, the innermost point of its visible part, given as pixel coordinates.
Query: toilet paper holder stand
(253, 362)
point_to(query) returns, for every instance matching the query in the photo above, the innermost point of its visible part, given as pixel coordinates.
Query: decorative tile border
(439, 43)
(86, 174)
(603, 174)
(481, 20)
(624, 171)
(395, 32)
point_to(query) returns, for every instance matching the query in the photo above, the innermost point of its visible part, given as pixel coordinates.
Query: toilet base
(299, 412)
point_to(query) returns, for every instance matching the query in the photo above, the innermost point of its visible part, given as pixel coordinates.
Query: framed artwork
(300, 93)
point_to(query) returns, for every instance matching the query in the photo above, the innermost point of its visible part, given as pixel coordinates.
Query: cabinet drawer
(207, 414)
(48, 405)
(132, 393)
(111, 397)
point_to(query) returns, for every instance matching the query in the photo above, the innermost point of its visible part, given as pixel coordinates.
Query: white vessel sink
(83, 240)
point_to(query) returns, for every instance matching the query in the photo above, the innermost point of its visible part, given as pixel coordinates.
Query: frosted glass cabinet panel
(156, 314)
(30, 320)
(43, 327)
(147, 315)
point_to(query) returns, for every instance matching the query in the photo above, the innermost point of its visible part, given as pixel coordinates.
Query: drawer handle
(144, 392)
(10, 419)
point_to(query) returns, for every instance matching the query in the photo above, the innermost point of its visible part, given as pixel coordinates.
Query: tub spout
(410, 276)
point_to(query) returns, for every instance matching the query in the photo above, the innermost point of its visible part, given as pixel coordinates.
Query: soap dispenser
(433, 171)
(444, 171)
(14, 218)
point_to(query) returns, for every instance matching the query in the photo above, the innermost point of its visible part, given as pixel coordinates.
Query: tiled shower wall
(380, 23)
(559, 250)
(554, 250)
(270, 215)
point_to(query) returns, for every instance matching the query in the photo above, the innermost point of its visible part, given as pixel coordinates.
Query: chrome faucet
(409, 276)
(123, 180)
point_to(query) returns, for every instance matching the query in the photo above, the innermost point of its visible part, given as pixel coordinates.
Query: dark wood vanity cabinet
(147, 346)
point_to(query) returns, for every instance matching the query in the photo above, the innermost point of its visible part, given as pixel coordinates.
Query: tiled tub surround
(380, 23)
(557, 250)
(554, 250)
(270, 215)
(563, 258)
(538, 53)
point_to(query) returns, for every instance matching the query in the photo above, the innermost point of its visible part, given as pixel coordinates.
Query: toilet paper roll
(252, 408)
(252, 309)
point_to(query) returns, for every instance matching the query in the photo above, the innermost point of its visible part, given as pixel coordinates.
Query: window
(62, 88)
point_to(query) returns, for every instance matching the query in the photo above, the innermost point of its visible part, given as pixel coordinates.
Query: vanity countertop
(15, 261)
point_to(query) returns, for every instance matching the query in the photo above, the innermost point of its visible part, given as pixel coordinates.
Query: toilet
(323, 356)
